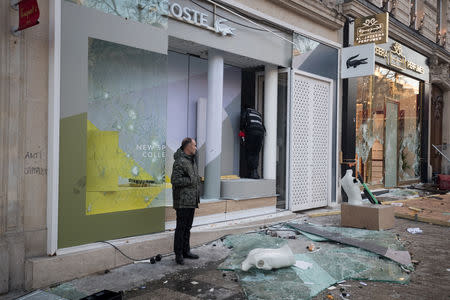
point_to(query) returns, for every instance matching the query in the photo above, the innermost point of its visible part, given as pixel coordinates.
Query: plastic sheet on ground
(331, 264)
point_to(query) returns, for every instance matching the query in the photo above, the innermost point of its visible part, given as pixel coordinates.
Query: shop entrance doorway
(283, 92)
(310, 140)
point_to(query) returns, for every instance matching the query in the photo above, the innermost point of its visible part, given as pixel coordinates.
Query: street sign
(358, 61)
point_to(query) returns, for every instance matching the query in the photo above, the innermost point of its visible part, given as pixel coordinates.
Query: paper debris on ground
(414, 230)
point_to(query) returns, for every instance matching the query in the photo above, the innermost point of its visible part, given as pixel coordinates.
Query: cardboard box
(373, 217)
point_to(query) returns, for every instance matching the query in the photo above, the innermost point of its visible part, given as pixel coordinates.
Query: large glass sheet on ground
(380, 238)
(327, 266)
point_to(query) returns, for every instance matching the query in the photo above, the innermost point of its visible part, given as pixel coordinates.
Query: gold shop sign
(372, 29)
(394, 57)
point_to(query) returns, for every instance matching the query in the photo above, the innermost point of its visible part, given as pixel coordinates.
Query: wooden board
(225, 206)
(204, 209)
(236, 205)
(432, 210)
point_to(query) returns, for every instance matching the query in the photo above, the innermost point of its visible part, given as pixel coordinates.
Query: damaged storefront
(135, 83)
(127, 81)
(385, 129)
(389, 114)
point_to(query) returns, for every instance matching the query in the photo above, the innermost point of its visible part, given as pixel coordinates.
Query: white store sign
(196, 18)
(358, 61)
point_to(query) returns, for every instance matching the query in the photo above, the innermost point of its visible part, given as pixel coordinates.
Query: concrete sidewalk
(200, 279)
(128, 275)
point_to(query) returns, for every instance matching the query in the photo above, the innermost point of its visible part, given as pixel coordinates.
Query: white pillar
(270, 121)
(214, 125)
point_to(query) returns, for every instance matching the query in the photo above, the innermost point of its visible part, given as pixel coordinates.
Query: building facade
(392, 119)
(97, 97)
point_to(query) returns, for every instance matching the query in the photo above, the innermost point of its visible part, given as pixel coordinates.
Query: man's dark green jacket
(185, 181)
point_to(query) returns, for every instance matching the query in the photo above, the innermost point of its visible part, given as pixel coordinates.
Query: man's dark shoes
(179, 259)
(190, 255)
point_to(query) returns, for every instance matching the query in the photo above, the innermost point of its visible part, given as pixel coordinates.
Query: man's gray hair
(186, 141)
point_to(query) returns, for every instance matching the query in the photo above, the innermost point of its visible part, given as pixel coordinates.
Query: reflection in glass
(152, 12)
(126, 130)
(387, 93)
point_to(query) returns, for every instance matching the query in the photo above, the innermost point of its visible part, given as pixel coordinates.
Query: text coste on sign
(189, 15)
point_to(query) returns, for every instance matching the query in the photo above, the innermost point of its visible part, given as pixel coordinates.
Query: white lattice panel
(310, 157)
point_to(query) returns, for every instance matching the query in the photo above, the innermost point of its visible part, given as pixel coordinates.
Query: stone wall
(23, 148)
(402, 11)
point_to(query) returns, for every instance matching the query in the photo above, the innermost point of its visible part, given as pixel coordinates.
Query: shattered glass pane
(390, 159)
(399, 194)
(329, 264)
(152, 12)
(374, 93)
(381, 238)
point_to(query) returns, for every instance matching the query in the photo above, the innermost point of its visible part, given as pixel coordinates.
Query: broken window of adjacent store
(387, 128)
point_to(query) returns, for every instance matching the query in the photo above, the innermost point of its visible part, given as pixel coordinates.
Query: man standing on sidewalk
(186, 196)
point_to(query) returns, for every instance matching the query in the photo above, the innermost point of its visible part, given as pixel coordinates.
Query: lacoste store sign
(194, 17)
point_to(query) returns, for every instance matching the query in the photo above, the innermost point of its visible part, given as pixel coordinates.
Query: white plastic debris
(211, 290)
(397, 204)
(351, 188)
(142, 261)
(165, 282)
(194, 282)
(331, 288)
(362, 283)
(414, 230)
(304, 265)
(268, 259)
